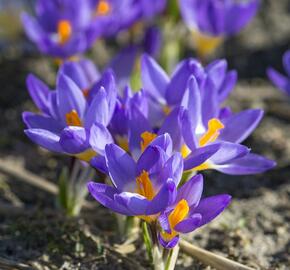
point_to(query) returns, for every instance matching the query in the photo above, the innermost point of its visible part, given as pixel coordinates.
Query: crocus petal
(173, 126)
(98, 111)
(33, 120)
(227, 85)
(192, 102)
(164, 222)
(140, 101)
(210, 98)
(189, 224)
(53, 106)
(154, 78)
(200, 155)
(70, 97)
(134, 202)
(168, 245)
(239, 15)
(99, 138)
(239, 126)
(211, 207)
(173, 169)
(135, 130)
(121, 166)
(225, 113)
(32, 27)
(178, 83)
(74, 71)
(164, 142)
(152, 160)
(228, 152)
(250, 164)
(99, 162)
(90, 70)
(165, 197)
(105, 194)
(286, 62)
(39, 93)
(107, 82)
(281, 81)
(152, 41)
(191, 191)
(216, 72)
(44, 138)
(189, 131)
(74, 140)
(123, 64)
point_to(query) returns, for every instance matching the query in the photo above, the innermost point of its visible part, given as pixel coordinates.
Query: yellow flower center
(179, 213)
(144, 186)
(185, 151)
(64, 31)
(103, 8)
(212, 133)
(205, 44)
(147, 138)
(73, 119)
(123, 142)
(166, 109)
(86, 155)
(60, 61)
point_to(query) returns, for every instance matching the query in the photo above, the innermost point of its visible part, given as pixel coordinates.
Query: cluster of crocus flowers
(279, 80)
(69, 114)
(211, 21)
(151, 144)
(147, 141)
(63, 30)
(148, 188)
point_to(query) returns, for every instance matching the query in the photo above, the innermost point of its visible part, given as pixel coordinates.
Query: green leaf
(147, 241)
(63, 189)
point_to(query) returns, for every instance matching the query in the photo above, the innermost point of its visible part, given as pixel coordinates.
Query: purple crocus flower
(208, 129)
(281, 81)
(189, 211)
(67, 122)
(112, 16)
(61, 29)
(206, 125)
(143, 188)
(213, 20)
(165, 93)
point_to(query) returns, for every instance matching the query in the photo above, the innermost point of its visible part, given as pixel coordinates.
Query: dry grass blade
(211, 259)
(9, 265)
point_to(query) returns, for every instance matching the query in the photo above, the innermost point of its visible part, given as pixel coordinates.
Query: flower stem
(171, 258)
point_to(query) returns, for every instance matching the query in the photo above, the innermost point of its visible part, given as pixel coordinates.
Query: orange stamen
(147, 138)
(103, 8)
(86, 92)
(73, 119)
(64, 31)
(185, 151)
(179, 213)
(214, 127)
(144, 186)
(166, 109)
